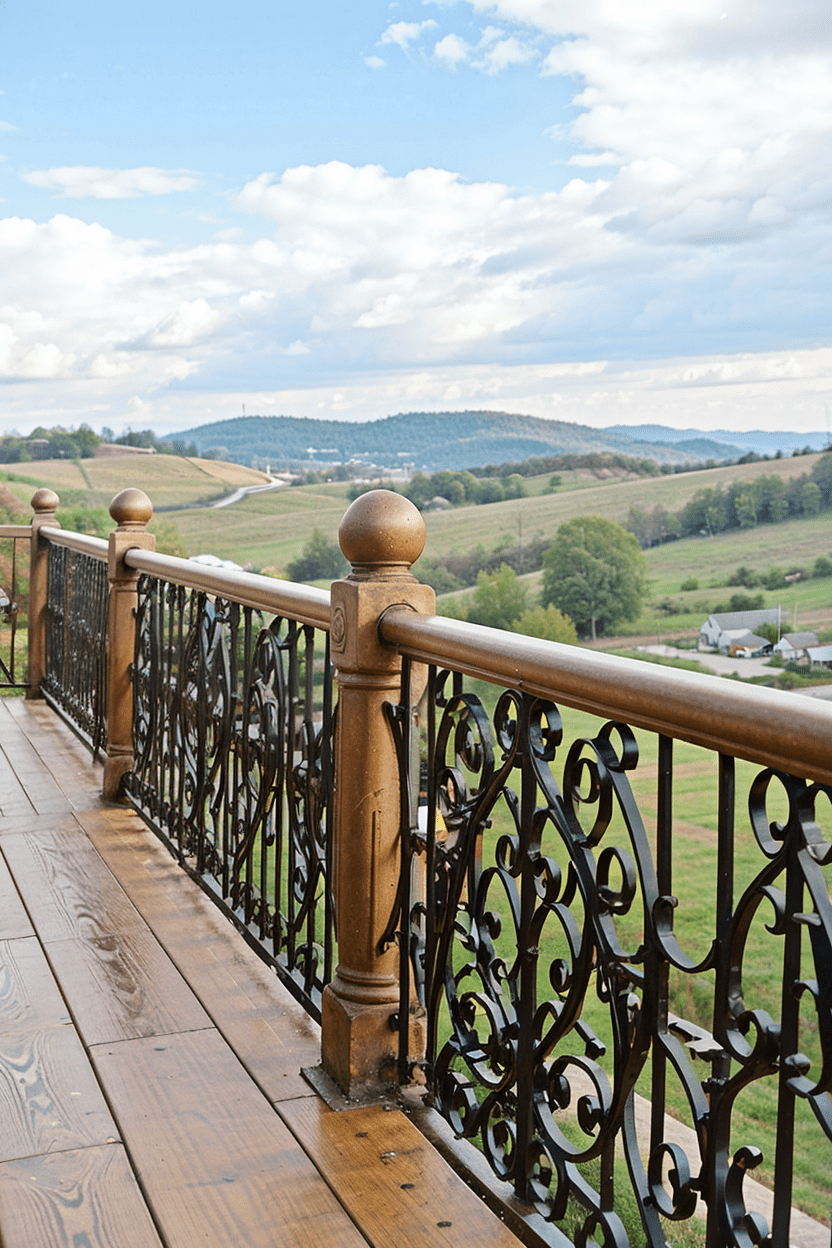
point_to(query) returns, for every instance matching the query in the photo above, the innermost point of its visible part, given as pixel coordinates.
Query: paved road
(723, 665)
(244, 490)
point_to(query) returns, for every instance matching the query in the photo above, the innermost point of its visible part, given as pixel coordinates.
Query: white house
(819, 656)
(731, 628)
(790, 645)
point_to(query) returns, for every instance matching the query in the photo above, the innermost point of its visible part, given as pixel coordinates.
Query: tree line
(81, 443)
(741, 505)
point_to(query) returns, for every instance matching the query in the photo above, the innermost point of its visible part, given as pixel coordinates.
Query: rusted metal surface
(232, 741)
(550, 955)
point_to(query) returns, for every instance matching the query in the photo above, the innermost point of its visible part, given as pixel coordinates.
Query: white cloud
(494, 51)
(90, 182)
(374, 62)
(452, 50)
(193, 320)
(404, 33)
(6, 127)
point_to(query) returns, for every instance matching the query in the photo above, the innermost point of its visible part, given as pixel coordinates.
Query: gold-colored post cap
(131, 509)
(44, 501)
(382, 528)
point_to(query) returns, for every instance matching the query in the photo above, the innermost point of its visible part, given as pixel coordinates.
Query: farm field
(266, 531)
(168, 480)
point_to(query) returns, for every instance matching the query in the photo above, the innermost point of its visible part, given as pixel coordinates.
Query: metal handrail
(15, 530)
(299, 602)
(95, 547)
(745, 721)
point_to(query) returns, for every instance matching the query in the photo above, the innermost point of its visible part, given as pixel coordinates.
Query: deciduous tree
(594, 572)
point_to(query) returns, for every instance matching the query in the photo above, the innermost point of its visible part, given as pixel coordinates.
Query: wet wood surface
(150, 1064)
(396, 1186)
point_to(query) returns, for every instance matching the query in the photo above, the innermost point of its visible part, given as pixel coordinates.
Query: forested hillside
(424, 441)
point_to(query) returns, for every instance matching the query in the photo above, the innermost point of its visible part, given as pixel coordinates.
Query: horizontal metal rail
(15, 530)
(263, 593)
(95, 547)
(746, 721)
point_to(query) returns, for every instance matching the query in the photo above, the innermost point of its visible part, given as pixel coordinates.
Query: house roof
(750, 640)
(729, 620)
(798, 640)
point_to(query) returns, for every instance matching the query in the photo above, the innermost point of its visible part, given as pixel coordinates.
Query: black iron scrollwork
(542, 950)
(233, 730)
(77, 604)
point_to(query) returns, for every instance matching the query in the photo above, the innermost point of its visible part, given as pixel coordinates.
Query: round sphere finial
(131, 509)
(382, 528)
(44, 501)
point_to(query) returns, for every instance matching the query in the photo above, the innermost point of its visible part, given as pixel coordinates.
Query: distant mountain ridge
(430, 441)
(761, 440)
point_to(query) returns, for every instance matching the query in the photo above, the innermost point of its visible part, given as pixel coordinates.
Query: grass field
(168, 480)
(269, 530)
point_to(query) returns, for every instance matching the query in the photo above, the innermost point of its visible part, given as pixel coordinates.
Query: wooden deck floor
(150, 1086)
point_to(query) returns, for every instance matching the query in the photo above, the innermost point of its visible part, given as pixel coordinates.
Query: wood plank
(65, 756)
(31, 771)
(123, 985)
(29, 996)
(399, 1190)
(14, 921)
(215, 1162)
(271, 1033)
(83, 1197)
(13, 799)
(49, 1098)
(67, 888)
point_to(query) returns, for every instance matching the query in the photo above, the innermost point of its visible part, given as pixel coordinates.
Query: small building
(819, 656)
(790, 645)
(721, 631)
(749, 646)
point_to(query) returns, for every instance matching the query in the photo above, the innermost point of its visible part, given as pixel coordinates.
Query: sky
(576, 209)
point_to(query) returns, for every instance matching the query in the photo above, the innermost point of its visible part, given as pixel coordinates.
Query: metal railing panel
(14, 541)
(233, 730)
(303, 603)
(75, 678)
(758, 724)
(572, 946)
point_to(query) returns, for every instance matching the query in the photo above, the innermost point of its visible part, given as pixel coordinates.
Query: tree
(498, 599)
(548, 624)
(595, 573)
(321, 560)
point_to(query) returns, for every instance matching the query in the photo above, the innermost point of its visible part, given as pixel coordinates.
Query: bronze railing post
(44, 504)
(381, 534)
(131, 510)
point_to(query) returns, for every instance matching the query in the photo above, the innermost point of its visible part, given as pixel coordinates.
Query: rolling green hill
(424, 440)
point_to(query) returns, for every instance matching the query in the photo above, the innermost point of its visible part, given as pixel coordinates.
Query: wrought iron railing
(75, 675)
(571, 914)
(233, 729)
(581, 951)
(14, 555)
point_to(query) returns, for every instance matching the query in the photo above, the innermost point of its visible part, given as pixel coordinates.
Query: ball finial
(382, 530)
(131, 509)
(44, 501)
